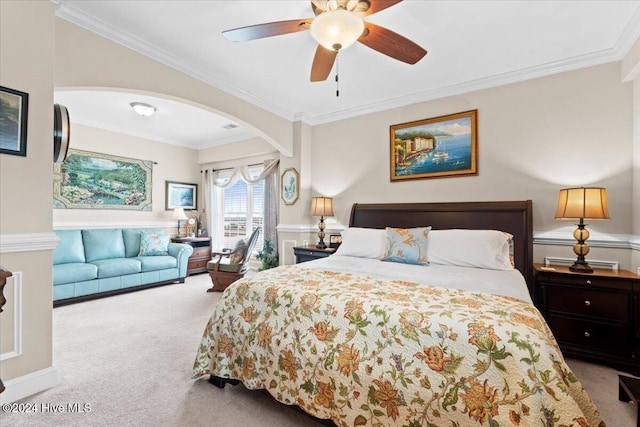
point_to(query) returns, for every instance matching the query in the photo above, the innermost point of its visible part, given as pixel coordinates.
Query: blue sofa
(99, 262)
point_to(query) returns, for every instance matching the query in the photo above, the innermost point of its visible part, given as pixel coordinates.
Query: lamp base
(321, 244)
(579, 267)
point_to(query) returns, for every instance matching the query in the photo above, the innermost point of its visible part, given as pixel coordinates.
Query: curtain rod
(228, 169)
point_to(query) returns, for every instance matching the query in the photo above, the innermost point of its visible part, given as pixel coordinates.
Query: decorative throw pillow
(239, 252)
(153, 244)
(407, 245)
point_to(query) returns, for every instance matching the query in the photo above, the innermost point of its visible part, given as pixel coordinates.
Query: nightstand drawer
(592, 303)
(586, 282)
(204, 252)
(591, 335)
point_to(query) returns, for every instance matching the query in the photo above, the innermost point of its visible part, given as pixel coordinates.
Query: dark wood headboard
(513, 217)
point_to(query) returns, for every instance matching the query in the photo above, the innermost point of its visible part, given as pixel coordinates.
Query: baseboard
(27, 385)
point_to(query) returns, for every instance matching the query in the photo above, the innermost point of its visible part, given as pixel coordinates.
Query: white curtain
(271, 205)
(218, 181)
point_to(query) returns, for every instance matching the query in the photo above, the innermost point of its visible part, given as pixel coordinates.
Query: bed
(360, 341)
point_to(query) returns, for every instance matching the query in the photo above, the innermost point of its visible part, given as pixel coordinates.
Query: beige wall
(535, 137)
(236, 151)
(26, 64)
(86, 60)
(173, 164)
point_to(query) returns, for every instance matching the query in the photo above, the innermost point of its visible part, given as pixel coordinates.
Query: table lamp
(178, 213)
(582, 203)
(321, 206)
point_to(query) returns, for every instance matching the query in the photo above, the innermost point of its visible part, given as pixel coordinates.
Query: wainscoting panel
(286, 251)
(12, 316)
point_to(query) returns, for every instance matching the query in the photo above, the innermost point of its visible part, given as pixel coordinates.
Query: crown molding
(67, 11)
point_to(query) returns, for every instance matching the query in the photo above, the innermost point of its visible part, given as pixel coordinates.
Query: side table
(310, 252)
(201, 253)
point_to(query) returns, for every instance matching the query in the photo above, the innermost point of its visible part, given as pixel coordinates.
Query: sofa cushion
(73, 272)
(132, 240)
(70, 248)
(117, 267)
(153, 243)
(152, 263)
(103, 244)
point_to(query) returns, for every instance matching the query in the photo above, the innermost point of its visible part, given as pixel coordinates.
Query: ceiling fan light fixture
(145, 110)
(337, 29)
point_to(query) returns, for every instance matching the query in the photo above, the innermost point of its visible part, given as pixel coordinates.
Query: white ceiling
(471, 45)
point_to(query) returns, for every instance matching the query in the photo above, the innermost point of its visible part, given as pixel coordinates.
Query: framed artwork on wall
(180, 195)
(87, 180)
(289, 183)
(14, 109)
(437, 147)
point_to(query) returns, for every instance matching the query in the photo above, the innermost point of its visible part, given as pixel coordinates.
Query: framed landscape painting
(432, 148)
(13, 121)
(180, 195)
(88, 180)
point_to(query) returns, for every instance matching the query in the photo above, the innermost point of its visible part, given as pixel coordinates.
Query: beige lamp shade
(322, 206)
(582, 202)
(178, 213)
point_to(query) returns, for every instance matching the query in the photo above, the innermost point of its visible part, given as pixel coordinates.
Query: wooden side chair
(228, 266)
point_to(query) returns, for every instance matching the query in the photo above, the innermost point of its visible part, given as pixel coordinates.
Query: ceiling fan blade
(391, 44)
(378, 5)
(270, 29)
(322, 63)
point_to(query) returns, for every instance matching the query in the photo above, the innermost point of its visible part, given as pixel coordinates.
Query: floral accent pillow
(153, 244)
(407, 245)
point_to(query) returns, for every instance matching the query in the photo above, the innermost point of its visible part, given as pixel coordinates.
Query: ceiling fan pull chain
(337, 70)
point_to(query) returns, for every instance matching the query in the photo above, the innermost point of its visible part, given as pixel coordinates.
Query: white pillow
(470, 248)
(363, 243)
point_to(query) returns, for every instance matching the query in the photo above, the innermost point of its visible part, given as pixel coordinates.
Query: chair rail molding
(617, 241)
(28, 242)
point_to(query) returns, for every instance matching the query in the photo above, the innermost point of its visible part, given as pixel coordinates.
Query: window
(243, 211)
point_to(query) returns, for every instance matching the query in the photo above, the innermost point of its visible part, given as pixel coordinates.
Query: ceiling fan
(337, 25)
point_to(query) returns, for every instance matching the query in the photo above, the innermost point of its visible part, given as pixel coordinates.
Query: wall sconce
(582, 203)
(321, 206)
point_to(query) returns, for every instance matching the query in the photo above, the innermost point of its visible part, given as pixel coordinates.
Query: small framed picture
(289, 186)
(180, 195)
(335, 240)
(13, 121)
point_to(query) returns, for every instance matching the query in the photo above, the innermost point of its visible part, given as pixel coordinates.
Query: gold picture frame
(438, 147)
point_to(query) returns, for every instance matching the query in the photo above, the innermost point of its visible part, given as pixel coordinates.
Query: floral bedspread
(367, 351)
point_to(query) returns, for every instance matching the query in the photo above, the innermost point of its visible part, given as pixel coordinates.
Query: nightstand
(594, 316)
(201, 253)
(310, 252)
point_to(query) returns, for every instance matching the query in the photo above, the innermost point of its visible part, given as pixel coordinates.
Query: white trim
(618, 241)
(17, 318)
(310, 228)
(550, 260)
(114, 224)
(27, 385)
(28, 242)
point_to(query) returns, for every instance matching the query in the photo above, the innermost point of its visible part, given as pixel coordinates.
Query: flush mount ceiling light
(145, 110)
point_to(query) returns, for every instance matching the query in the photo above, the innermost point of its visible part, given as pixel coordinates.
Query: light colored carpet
(130, 356)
